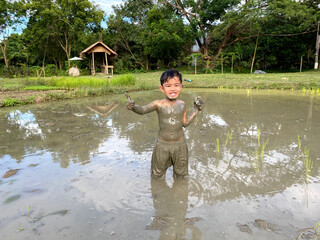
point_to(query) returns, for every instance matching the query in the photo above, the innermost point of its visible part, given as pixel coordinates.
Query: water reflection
(171, 205)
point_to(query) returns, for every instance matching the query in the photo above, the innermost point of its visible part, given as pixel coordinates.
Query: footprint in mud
(262, 224)
(10, 173)
(33, 164)
(192, 221)
(245, 228)
(12, 198)
(158, 223)
(61, 213)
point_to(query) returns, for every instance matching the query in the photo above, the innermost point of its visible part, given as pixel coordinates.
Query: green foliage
(165, 35)
(54, 26)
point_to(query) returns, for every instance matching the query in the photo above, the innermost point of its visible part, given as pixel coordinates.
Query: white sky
(105, 5)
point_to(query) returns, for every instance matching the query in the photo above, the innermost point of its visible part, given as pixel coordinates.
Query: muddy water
(84, 170)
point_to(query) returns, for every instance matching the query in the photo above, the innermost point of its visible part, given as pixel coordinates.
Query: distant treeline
(205, 36)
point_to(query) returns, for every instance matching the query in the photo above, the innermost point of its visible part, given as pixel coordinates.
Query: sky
(105, 5)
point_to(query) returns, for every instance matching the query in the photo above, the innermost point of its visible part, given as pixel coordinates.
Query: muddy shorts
(166, 154)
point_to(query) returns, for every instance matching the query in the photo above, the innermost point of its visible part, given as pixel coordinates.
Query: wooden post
(106, 57)
(301, 64)
(93, 71)
(232, 63)
(316, 63)
(221, 62)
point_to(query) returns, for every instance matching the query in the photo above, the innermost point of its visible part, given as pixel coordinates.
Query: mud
(10, 173)
(85, 174)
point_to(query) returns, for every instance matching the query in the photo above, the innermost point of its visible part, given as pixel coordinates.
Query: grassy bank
(296, 81)
(32, 90)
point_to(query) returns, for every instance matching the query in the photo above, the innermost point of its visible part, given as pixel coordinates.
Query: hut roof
(98, 47)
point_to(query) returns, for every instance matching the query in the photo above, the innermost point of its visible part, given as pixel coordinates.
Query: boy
(171, 148)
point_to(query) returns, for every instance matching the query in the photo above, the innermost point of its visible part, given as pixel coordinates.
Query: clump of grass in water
(308, 163)
(259, 135)
(29, 216)
(218, 148)
(229, 137)
(258, 157)
(316, 231)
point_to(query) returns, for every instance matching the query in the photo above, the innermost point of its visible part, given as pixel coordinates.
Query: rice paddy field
(17, 91)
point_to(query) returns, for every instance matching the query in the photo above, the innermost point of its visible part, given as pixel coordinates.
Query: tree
(126, 28)
(8, 18)
(273, 18)
(166, 36)
(202, 17)
(62, 21)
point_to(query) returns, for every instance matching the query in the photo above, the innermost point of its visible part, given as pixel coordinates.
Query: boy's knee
(180, 176)
(156, 175)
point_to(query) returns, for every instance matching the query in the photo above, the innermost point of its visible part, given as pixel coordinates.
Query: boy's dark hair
(168, 75)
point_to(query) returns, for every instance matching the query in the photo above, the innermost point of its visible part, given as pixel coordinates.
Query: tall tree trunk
(4, 51)
(254, 55)
(224, 43)
(147, 63)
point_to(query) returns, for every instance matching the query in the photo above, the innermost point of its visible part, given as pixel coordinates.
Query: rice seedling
(123, 80)
(317, 230)
(259, 135)
(229, 137)
(262, 149)
(28, 213)
(258, 157)
(299, 143)
(308, 163)
(217, 147)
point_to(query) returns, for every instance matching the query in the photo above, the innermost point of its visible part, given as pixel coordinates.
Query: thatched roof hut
(101, 52)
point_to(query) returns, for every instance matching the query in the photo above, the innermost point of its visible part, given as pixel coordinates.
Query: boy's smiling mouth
(173, 95)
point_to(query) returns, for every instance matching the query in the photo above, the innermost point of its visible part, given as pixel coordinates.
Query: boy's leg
(160, 161)
(180, 162)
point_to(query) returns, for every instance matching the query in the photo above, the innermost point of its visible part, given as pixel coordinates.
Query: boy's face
(171, 88)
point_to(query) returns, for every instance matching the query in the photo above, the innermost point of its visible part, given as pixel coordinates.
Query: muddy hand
(128, 97)
(130, 103)
(198, 103)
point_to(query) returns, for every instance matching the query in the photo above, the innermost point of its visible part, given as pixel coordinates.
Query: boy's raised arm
(140, 109)
(198, 106)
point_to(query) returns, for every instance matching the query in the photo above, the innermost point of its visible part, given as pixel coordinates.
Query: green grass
(40, 88)
(84, 86)
(305, 81)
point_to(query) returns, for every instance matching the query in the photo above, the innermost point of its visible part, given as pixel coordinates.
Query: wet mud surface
(84, 169)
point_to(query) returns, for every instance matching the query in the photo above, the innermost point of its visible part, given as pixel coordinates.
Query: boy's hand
(130, 103)
(198, 103)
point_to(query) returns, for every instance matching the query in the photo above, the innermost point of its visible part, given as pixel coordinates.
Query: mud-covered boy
(171, 148)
